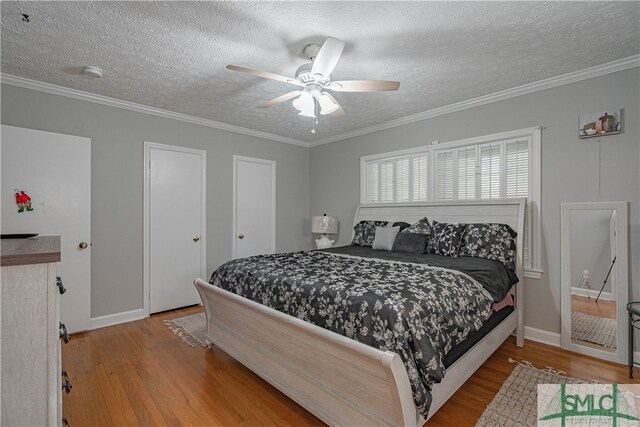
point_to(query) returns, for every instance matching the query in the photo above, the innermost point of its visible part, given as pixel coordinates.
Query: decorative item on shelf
(326, 225)
(23, 201)
(600, 124)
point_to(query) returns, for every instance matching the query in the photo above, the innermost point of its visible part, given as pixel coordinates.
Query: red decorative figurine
(24, 201)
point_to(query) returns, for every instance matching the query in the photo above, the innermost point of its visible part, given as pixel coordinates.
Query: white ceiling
(172, 55)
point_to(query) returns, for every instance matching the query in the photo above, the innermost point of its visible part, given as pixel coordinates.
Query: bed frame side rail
(341, 381)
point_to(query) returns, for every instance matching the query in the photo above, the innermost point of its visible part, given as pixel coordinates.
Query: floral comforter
(417, 311)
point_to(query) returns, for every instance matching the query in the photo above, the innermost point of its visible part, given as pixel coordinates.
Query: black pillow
(491, 241)
(402, 225)
(446, 238)
(420, 227)
(410, 242)
(365, 232)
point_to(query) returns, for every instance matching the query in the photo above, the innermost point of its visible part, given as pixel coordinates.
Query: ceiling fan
(314, 80)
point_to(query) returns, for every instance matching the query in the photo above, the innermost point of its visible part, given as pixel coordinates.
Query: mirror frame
(622, 269)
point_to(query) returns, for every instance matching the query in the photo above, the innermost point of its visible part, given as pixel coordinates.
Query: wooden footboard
(341, 381)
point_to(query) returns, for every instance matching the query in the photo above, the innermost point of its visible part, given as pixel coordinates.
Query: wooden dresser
(31, 375)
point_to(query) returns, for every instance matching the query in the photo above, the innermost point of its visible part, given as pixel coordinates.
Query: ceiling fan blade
(363, 85)
(338, 113)
(264, 74)
(281, 99)
(327, 57)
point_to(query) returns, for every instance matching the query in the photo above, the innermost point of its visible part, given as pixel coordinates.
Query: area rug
(594, 329)
(190, 328)
(516, 401)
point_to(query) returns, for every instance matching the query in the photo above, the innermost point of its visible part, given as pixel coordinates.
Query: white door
(55, 171)
(176, 225)
(254, 207)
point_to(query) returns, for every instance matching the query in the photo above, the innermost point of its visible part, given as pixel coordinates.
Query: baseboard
(553, 339)
(593, 293)
(117, 318)
(545, 337)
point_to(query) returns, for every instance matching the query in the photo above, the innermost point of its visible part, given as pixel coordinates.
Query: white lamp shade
(305, 104)
(324, 224)
(327, 104)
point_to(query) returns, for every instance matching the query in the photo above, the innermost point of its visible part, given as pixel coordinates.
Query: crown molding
(576, 76)
(132, 106)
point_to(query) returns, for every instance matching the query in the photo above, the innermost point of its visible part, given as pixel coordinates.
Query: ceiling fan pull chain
(313, 127)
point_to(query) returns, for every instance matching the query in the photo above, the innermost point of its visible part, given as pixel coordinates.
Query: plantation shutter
(490, 167)
(386, 182)
(402, 180)
(517, 168)
(444, 175)
(421, 179)
(372, 182)
(467, 173)
(399, 179)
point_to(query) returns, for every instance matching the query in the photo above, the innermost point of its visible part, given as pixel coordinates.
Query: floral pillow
(365, 232)
(420, 227)
(445, 238)
(490, 241)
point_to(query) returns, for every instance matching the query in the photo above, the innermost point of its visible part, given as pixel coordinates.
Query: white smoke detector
(91, 71)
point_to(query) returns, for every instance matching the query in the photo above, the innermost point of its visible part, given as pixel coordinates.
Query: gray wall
(117, 137)
(591, 247)
(572, 169)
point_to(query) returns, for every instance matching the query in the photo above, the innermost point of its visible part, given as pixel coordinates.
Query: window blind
(444, 175)
(490, 165)
(517, 168)
(398, 179)
(466, 173)
(421, 178)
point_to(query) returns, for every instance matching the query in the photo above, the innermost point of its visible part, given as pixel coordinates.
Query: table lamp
(326, 225)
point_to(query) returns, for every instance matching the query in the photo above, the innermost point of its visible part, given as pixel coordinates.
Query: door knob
(196, 238)
(83, 245)
(240, 236)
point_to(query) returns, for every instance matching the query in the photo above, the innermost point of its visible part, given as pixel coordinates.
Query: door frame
(234, 232)
(146, 213)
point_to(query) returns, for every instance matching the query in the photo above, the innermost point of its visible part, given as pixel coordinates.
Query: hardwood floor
(140, 373)
(589, 306)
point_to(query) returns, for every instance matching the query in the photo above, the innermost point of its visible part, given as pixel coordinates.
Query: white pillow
(385, 236)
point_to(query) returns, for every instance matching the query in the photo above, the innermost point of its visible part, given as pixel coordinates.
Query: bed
(338, 379)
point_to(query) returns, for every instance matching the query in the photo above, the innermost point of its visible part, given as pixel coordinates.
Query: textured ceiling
(172, 55)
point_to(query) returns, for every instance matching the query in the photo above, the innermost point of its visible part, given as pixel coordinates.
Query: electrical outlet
(585, 274)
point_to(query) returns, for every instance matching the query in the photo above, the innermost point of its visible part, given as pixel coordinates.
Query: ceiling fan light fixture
(327, 105)
(305, 104)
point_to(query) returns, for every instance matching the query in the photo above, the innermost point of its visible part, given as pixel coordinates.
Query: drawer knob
(64, 334)
(61, 287)
(66, 386)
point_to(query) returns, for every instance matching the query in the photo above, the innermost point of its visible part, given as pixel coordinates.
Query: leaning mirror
(594, 279)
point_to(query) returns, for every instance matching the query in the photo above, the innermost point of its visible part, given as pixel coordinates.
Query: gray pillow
(385, 236)
(411, 242)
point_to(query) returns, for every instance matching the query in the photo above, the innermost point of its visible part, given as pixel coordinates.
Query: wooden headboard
(503, 211)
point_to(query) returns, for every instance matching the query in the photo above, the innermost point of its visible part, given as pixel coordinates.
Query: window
(398, 179)
(493, 167)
